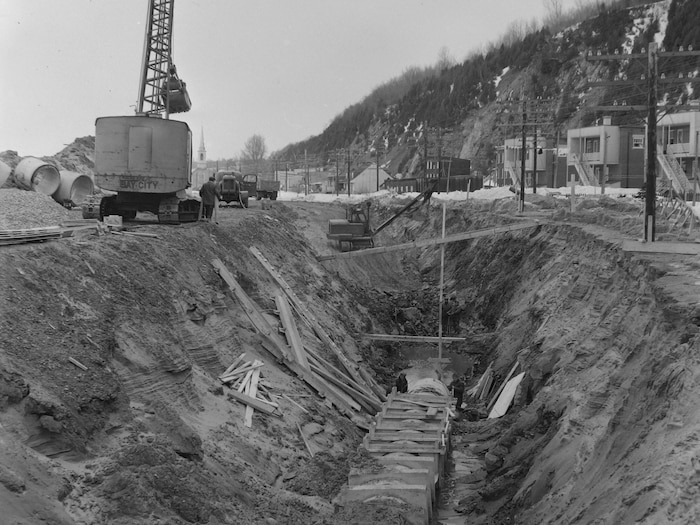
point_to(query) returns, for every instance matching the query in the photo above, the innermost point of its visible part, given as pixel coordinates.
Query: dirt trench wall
(606, 347)
(608, 342)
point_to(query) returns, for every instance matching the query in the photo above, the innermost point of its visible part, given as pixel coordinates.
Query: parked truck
(267, 189)
(262, 188)
(234, 188)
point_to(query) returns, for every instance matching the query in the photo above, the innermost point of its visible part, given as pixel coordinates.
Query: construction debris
(29, 235)
(77, 363)
(245, 381)
(348, 394)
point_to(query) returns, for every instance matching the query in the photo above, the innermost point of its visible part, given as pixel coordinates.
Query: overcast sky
(279, 68)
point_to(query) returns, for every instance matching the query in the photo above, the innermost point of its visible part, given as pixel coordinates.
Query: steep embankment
(147, 434)
(604, 423)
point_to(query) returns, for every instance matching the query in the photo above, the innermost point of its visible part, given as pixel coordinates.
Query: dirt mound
(29, 209)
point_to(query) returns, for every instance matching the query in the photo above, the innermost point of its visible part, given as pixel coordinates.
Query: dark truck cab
(235, 189)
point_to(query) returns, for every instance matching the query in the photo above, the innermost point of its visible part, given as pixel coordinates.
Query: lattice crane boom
(160, 89)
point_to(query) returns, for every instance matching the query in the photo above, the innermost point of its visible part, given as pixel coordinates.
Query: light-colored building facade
(369, 180)
(550, 163)
(605, 153)
(678, 149)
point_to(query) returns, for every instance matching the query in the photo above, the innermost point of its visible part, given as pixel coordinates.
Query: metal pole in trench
(442, 264)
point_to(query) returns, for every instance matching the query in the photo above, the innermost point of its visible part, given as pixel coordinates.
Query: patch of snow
(501, 192)
(660, 10)
(498, 79)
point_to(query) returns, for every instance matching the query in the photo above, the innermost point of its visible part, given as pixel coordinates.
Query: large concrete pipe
(5, 171)
(36, 175)
(74, 188)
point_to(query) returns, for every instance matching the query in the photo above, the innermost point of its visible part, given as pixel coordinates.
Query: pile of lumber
(500, 401)
(247, 386)
(29, 235)
(347, 387)
(482, 388)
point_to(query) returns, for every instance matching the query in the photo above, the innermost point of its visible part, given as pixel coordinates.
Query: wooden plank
(370, 404)
(400, 436)
(141, 234)
(404, 424)
(252, 311)
(495, 397)
(290, 330)
(434, 448)
(77, 363)
(255, 403)
(308, 447)
(414, 338)
(403, 402)
(274, 344)
(252, 392)
(294, 403)
(246, 381)
(350, 367)
(310, 379)
(339, 374)
(681, 248)
(400, 414)
(233, 365)
(430, 242)
(379, 392)
(237, 372)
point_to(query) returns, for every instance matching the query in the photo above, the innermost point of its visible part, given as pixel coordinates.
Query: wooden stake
(305, 442)
(294, 402)
(252, 392)
(77, 363)
(233, 365)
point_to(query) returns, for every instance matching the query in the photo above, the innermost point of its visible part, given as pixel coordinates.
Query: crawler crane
(144, 161)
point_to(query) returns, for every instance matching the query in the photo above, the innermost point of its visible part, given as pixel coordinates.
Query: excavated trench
(606, 351)
(603, 428)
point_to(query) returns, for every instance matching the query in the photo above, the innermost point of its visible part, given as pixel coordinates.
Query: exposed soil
(603, 430)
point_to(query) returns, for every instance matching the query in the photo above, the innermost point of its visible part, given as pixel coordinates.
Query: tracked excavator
(355, 232)
(144, 161)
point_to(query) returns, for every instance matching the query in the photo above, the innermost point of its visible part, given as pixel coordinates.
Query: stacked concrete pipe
(36, 175)
(5, 171)
(74, 188)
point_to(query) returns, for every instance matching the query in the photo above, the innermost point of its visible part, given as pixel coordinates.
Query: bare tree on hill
(254, 151)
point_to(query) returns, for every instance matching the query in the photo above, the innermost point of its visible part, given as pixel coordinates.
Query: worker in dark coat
(458, 387)
(209, 192)
(402, 383)
(454, 315)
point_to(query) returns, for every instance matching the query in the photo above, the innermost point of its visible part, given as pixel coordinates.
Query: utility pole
(425, 150)
(348, 184)
(650, 215)
(439, 157)
(555, 167)
(521, 200)
(534, 162)
(337, 171)
(306, 168)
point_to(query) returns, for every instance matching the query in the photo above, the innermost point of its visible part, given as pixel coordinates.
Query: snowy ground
(483, 194)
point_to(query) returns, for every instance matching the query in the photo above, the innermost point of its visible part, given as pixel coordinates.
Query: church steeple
(202, 152)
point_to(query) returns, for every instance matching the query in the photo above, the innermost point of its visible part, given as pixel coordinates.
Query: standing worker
(402, 383)
(458, 387)
(454, 316)
(209, 193)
